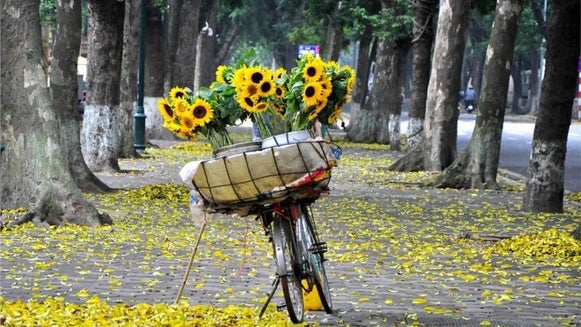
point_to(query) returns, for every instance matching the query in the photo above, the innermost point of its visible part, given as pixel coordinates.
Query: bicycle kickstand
(275, 286)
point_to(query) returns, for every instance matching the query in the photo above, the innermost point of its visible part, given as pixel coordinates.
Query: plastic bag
(198, 209)
(188, 171)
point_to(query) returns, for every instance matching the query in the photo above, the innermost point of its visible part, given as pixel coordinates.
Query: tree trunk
(206, 46)
(441, 124)
(231, 37)
(155, 74)
(478, 35)
(545, 181)
(372, 121)
(334, 36)
(34, 168)
(64, 86)
(362, 72)
(396, 92)
(421, 48)
(478, 166)
(182, 37)
(128, 79)
(516, 72)
(100, 135)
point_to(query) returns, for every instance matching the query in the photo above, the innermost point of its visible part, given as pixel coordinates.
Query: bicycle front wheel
(285, 256)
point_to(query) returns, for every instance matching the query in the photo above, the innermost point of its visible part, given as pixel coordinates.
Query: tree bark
(545, 181)
(155, 47)
(478, 166)
(128, 79)
(421, 51)
(441, 124)
(516, 72)
(64, 86)
(155, 74)
(372, 121)
(182, 38)
(334, 36)
(101, 128)
(206, 46)
(478, 35)
(34, 167)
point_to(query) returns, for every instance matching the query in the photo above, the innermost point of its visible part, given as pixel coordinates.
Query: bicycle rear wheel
(316, 250)
(285, 256)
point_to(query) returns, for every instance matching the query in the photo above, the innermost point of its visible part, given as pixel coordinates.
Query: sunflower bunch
(208, 112)
(260, 92)
(317, 90)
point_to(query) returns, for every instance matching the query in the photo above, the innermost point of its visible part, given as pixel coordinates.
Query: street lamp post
(139, 143)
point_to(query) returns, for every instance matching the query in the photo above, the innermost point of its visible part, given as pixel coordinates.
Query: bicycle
(278, 184)
(298, 254)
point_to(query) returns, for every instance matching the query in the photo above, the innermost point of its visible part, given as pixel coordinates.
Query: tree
(34, 168)
(545, 178)
(477, 167)
(421, 54)
(182, 37)
(100, 135)
(384, 105)
(128, 79)
(440, 126)
(437, 149)
(206, 46)
(64, 87)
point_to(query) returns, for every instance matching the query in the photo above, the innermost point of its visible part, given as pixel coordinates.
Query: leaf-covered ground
(400, 254)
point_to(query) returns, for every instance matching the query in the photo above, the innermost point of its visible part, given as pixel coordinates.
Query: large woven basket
(267, 176)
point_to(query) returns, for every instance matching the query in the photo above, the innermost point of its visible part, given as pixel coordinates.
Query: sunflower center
(278, 91)
(188, 123)
(310, 91)
(311, 71)
(168, 110)
(265, 87)
(249, 102)
(180, 95)
(251, 89)
(200, 112)
(256, 77)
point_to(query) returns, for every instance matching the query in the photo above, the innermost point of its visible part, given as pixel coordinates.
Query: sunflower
(187, 122)
(326, 86)
(247, 103)
(172, 126)
(254, 75)
(248, 90)
(177, 93)
(202, 112)
(312, 93)
(334, 116)
(279, 109)
(321, 104)
(266, 88)
(279, 73)
(239, 78)
(260, 107)
(180, 106)
(165, 109)
(351, 80)
(313, 70)
(220, 73)
(280, 91)
(314, 113)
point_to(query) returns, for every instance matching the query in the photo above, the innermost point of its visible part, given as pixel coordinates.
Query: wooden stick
(191, 262)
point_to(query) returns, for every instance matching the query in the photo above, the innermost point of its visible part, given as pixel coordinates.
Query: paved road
(516, 146)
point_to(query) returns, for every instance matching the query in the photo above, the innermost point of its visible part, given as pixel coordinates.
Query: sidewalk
(399, 254)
